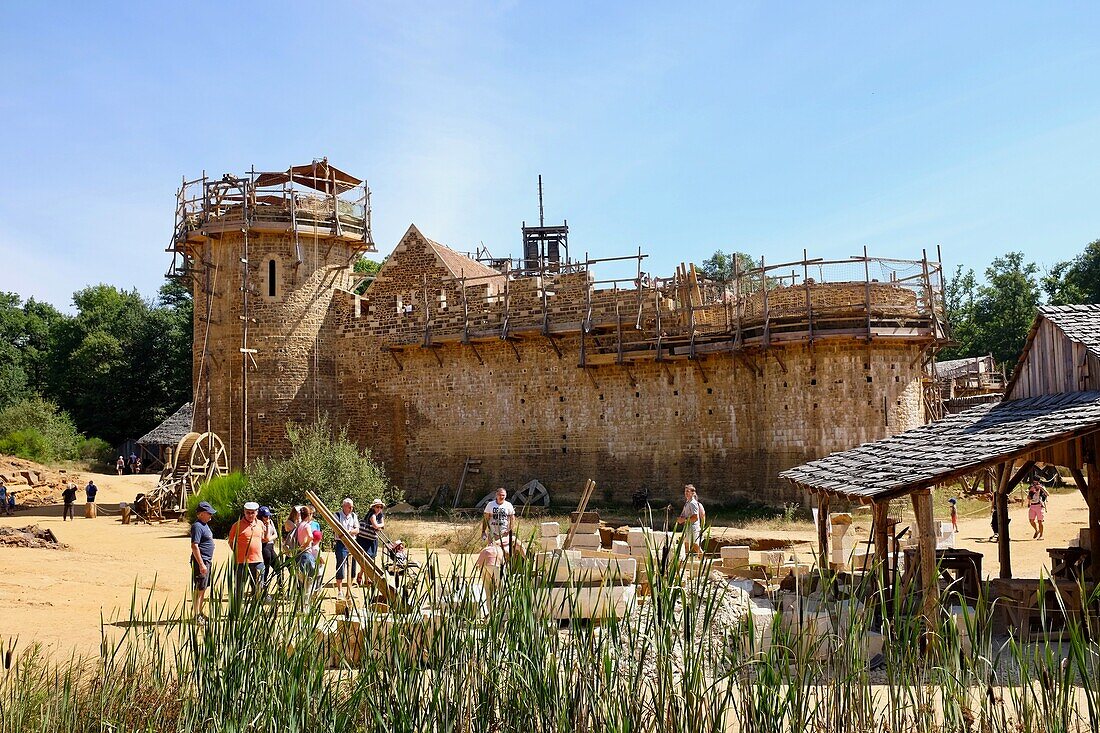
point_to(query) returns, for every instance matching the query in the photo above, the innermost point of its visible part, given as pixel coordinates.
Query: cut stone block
(549, 529)
(586, 542)
(550, 543)
(772, 557)
(735, 552)
(593, 570)
(587, 528)
(586, 603)
(637, 536)
(620, 548)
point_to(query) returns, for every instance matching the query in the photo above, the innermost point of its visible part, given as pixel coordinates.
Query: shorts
(198, 580)
(307, 563)
(1036, 513)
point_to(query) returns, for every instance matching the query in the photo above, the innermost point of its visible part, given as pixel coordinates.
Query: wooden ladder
(472, 465)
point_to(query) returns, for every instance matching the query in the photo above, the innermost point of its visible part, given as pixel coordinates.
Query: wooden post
(823, 532)
(809, 300)
(1089, 487)
(881, 512)
(767, 314)
(867, 290)
(930, 587)
(1000, 497)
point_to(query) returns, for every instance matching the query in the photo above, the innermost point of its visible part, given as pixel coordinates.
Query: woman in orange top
(246, 539)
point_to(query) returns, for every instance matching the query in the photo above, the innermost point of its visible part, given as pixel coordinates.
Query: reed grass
(681, 660)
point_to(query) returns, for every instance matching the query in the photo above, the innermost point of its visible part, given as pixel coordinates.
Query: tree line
(111, 371)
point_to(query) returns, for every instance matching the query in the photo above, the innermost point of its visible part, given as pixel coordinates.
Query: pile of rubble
(32, 483)
(32, 536)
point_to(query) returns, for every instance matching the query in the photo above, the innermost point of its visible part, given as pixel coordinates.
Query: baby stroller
(396, 561)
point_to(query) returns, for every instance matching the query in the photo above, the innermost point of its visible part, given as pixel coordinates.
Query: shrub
(96, 449)
(227, 495)
(27, 443)
(53, 425)
(325, 462)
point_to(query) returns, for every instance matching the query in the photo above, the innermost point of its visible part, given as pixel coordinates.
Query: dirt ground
(58, 597)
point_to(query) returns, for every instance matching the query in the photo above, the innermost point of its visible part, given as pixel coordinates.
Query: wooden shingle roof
(951, 447)
(1081, 323)
(172, 430)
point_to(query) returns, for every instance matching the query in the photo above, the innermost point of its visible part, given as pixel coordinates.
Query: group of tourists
(263, 552)
(128, 466)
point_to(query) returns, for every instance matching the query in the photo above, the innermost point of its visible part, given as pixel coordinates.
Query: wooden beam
(880, 510)
(930, 587)
(823, 532)
(1090, 489)
(586, 494)
(375, 574)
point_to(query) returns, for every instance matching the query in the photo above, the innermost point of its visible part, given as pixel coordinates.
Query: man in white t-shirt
(498, 523)
(693, 516)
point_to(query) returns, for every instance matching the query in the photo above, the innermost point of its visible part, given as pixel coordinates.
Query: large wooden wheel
(203, 455)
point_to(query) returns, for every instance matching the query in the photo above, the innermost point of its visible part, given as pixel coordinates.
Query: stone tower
(264, 253)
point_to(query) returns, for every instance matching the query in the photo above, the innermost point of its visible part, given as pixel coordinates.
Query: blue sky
(764, 127)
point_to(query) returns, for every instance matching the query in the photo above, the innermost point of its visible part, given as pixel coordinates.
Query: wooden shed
(157, 445)
(1050, 414)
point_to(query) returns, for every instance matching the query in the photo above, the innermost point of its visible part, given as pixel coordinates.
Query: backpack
(290, 539)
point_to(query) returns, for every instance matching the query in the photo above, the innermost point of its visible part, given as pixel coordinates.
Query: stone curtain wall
(647, 425)
(713, 422)
(294, 376)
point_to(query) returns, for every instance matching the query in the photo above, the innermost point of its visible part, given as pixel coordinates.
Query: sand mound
(32, 536)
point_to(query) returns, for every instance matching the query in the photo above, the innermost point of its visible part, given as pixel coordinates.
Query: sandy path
(56, 597)
(1067, 514)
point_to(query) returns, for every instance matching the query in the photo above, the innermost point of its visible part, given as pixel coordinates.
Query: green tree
(959, 296)
(24, 422)
(24, 347)
(1075, 281)
(368, 267)
(720, 265)
(1005, 308)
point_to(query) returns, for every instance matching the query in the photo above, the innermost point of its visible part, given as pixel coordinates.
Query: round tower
(264, 253)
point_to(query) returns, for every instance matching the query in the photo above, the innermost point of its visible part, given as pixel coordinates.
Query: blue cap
(204, 506)
(264, 512)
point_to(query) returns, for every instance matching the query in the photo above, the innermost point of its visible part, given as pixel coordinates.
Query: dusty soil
(58, 596)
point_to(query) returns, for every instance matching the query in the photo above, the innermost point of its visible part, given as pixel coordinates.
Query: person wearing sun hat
(369, 525)
(202, 557)
(246, 539)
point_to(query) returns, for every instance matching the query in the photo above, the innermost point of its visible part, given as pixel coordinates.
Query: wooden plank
(375, 574)
(880, 510)
(586, 494)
